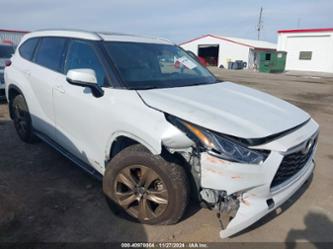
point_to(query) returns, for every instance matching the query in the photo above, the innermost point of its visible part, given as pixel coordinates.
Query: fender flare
(13, 86)
(153, 149)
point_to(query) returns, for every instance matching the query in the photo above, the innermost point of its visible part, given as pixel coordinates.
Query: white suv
(156, 125)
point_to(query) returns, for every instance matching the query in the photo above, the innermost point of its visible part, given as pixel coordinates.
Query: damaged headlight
(219, 145)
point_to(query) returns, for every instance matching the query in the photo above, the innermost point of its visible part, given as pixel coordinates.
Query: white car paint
(228, 108)
(87, 126)
(62, 121)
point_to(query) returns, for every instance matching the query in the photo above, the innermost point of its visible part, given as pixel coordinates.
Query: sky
(176, 20)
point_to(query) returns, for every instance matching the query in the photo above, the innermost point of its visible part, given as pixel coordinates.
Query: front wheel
(148, 188)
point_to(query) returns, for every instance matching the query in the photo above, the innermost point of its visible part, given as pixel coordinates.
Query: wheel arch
(122, 140)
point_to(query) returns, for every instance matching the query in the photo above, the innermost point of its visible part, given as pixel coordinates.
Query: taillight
(8, 63)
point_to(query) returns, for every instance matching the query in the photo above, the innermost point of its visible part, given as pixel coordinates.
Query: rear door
(44, 74)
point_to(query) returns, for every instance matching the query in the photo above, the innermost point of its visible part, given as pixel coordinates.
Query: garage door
(310, 53)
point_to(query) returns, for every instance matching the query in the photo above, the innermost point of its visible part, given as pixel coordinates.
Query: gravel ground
(46, 198)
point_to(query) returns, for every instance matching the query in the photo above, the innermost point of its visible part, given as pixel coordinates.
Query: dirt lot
(44, 197)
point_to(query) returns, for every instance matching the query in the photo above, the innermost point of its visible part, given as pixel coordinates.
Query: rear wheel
(146, 187)
(22, 119)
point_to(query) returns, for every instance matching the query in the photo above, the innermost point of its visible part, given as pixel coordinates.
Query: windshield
(147, 66)
(6, 51)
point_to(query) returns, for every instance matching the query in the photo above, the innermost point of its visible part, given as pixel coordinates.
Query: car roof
(96, 36)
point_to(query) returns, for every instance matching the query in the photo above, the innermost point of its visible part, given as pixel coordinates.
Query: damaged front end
(225, 205)
(235, 179)
(200, 148)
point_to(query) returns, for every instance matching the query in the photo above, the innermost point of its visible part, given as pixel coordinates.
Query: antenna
(260, 25)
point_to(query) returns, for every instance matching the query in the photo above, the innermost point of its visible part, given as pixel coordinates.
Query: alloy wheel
(141, 192)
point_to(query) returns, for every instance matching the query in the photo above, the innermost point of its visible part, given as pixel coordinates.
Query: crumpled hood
(227, 108)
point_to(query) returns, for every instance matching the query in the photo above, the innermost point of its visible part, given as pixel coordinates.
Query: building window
(267, 57)
(305, 55)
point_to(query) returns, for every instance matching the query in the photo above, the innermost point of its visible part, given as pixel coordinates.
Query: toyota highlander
(157, 126)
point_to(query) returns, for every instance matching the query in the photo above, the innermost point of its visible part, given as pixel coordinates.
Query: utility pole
(259, 25)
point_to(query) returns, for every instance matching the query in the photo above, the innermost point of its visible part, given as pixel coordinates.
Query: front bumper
(253, 183)
(253, 207)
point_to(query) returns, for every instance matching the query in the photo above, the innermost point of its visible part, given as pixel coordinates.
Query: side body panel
(84, 125)
(36, 83)
(87, 126)
(42, 81)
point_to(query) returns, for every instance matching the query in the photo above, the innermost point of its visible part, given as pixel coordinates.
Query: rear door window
(28, 47)
(51, 53)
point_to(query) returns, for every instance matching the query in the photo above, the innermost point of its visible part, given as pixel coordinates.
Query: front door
(77, 112)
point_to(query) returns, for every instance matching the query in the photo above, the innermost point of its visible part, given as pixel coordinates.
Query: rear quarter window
(51, 53)
(27, 49)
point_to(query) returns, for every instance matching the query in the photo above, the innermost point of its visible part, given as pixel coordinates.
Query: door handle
(60, 89)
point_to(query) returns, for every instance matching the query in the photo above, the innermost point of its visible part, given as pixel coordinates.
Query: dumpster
(279, 62)
(272, 61)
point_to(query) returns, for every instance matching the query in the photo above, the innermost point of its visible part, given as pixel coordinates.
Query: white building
(218, 50)
(307, 49)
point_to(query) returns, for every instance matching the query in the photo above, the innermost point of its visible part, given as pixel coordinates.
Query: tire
(159, 191)
(22, 119)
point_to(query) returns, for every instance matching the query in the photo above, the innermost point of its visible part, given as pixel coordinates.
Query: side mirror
(85, 77)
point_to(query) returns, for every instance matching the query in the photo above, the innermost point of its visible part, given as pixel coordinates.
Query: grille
(291, 165)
